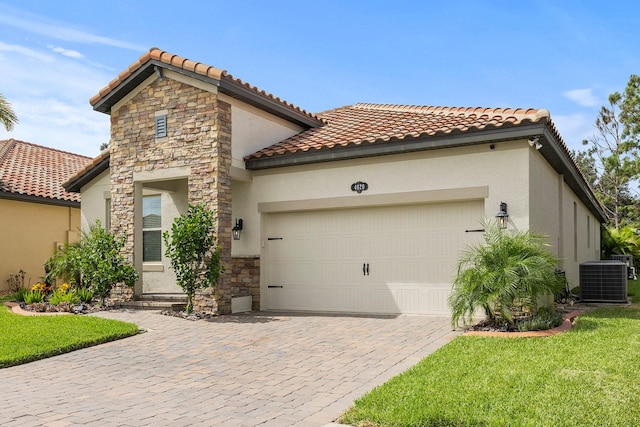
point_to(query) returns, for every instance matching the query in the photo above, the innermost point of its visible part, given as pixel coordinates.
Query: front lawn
(27, 338)
(585, 377)
(633, 289)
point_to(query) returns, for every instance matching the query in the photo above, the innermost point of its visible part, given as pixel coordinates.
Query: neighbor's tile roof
(360, 124)
(189, 66)
(32, 170)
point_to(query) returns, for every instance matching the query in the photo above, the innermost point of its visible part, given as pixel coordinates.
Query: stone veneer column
(215, 190)
(199, 136)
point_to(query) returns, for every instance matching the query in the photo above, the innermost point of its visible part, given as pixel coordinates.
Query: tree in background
(7, 117)
(611, 163)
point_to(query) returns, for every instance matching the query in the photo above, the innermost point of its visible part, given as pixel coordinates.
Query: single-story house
(37, 215)
(364, 208)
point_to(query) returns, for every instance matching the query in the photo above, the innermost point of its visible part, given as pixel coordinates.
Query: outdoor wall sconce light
(502, 215)
(235, 231)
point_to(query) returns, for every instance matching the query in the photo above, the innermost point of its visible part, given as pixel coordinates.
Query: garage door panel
(411, 252)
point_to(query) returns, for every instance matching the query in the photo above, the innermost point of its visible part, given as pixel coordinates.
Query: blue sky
(565, 56)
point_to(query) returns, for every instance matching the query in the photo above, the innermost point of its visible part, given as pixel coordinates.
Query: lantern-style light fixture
(235, 231)
(502, 215)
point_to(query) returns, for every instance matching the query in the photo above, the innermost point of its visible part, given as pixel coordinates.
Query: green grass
(27, 338)
(585, 377)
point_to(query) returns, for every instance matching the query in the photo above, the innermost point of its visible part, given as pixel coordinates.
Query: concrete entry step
(175, 302)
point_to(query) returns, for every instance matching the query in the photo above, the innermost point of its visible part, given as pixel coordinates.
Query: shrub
(94, 262)
(16, 281)
(192, 248)
(543, 320)
(84, 295)
(63, 296)
(32, 297)
(621, 241)
(20, 294)
(505, 269)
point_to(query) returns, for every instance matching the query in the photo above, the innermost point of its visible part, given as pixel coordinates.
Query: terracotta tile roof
(361, 124)
(32, 170)
(92, 169)
(163, 57)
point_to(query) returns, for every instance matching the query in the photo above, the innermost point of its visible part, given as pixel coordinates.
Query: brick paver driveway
(267, 369)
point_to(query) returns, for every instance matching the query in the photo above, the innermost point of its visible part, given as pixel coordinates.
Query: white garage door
(397, 259)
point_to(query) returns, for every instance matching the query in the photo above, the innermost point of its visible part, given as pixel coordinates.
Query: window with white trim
(151, 229)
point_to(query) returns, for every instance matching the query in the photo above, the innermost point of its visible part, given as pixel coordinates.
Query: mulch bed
(65, 307)
(564, 326)
(195, 315)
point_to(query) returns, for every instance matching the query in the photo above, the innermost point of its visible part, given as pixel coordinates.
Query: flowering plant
(40, 287)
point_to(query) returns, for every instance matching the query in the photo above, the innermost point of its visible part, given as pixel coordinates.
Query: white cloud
(574, 128)
(66, 52)
(12, 48)
(44, 26)
(50, 95)
(65, 126)
(582, 97)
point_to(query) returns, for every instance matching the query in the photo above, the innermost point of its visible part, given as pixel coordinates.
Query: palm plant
(620, 241)
(507, 268)
(7, 117)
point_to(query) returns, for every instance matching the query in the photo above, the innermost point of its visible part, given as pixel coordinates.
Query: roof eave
(366, 149)
(553, 152)
(75, 185)
(38, 199)
(251, 97)
(225, 85)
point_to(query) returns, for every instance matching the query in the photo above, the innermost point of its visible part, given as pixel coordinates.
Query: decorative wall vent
(161, 126)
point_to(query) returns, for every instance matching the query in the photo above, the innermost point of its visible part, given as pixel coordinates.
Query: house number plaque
(359, 187)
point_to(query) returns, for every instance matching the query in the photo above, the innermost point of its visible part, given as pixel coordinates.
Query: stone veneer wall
(245, 278)
(199, 136)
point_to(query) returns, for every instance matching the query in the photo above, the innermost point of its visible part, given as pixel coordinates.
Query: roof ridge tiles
(6, 148)
(519, 112)
(186, 64)
(18, 141)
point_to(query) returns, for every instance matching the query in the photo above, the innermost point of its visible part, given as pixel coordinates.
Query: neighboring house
(364, 208)
(37, 215)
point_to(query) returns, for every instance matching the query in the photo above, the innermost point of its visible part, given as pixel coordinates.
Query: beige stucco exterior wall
(253, 129)
(94, 196)
(394, 175)
(30, 233)
(574, 232)
(545, 190)
(581, 244)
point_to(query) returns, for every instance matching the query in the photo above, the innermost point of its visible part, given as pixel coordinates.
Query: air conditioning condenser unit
(603, 281)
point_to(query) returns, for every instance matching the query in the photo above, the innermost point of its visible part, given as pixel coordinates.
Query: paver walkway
(266, 369)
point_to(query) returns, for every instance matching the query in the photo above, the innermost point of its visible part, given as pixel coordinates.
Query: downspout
(561, 220)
